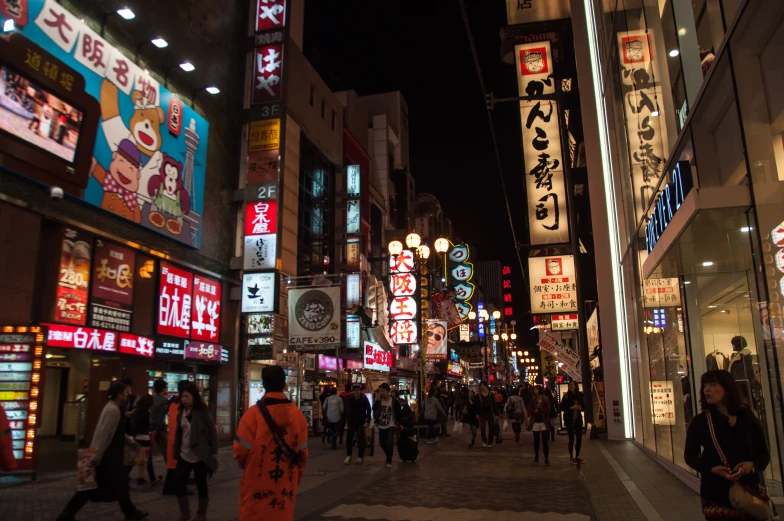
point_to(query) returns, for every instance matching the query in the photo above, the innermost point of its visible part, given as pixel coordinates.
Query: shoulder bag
(280, 441)
(751, 502)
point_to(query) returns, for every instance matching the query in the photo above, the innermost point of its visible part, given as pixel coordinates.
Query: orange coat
(268, 489)
(174, 410)
(7, 460)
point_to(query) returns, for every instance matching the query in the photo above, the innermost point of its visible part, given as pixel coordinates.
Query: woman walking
(111, 474)
(140, 430)
(470, 414)
(554, 412)
(196, 449)
(486, 402)
(539, 423)
(572, 404)
(725, 444)
(433, 409)
(515, 410)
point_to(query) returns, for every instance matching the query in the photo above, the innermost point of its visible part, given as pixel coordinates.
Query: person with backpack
(357, 414)
(515, 411)
(572, 406)
(272, 434)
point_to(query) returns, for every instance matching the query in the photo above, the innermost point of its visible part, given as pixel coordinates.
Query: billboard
(145, 169)
(314, 317)
(553, 284)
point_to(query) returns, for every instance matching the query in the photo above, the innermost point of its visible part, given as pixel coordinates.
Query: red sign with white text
(205, 321)
(261, 218)
(270, 14)
(376, 358)
(90, 338)
(267, 73)
(174, 302)
(203, 351)
(136, 345)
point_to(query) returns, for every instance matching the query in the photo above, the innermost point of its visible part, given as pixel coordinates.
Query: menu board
(21, 386)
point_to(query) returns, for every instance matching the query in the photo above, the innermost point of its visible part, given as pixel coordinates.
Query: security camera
(56, 193)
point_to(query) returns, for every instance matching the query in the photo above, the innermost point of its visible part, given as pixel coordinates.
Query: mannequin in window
(717, 360)
(742, 361)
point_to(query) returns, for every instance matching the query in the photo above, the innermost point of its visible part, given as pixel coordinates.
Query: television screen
(32, 114)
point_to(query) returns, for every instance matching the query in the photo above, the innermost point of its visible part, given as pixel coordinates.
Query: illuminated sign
(376, 358)
(663, 402)
(260, 251)
(353, 332)
(436, 340)
(136, 345)
(267, 74)
(564, 322)
(203, 351)
(270, 14)
(660, 293)
(534, 69)
(264, 135)
(258, 292)
(74, 277)
(89, 338)
(354, 191)
(173, 349)
(506, 281)
(352, 290)
(174, 301)
(553, 284)
(205, 320)
(112, 287)
(314, 317)
(261, 218)
(404, 304)
(461, 274)
(670, 200)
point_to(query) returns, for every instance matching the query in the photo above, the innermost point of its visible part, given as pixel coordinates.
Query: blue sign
(668, 203)
(150, 155)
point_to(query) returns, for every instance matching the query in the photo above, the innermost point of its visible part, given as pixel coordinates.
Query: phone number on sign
(313, 340)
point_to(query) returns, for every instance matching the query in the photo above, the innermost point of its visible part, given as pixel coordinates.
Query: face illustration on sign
(635, 48)
(554, 267)
(436, 340)
(534, 61)
(314, 310)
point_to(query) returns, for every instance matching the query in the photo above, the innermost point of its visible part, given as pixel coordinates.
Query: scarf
(112, 186)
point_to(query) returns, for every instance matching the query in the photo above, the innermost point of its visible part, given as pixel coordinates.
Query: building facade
(682, 119)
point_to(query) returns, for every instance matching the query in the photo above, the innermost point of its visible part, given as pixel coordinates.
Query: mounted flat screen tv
(32, 114)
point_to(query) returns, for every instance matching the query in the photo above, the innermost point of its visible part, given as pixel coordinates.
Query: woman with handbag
(726, 445)
(539, 423)
(572, 406)
(196, 450)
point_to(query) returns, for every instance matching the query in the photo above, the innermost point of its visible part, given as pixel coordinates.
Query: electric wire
(470, 36)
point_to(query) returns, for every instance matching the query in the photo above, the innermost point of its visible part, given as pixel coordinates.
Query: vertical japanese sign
(270, 14)
(663, 402)
(267, 74)
(149, 169)
(543, 158)
(461, 275)
(112, 286)
(553, 284)
(205, 321)
(74, 278)
(647, 136)
(353, 190)
(404, 305)
(261, 218)
(506, 281)
(174, 302)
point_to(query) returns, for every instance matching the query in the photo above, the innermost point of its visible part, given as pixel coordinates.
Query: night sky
(421, 48)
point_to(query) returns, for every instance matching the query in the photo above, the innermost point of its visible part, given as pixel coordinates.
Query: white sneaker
(348, 460)
(484, 445)
(360, 460)
(389, 465)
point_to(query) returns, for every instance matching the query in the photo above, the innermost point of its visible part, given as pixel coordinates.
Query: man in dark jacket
(357, 411)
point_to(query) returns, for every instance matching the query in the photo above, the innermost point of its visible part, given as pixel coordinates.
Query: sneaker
(579, 461)
(489, 445)
(347, 460)
(431, 441)
(389, 465)
(360, 460)
(484, 445)
(547, 462)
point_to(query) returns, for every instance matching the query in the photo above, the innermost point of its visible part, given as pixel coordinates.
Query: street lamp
(471, 315)
(442, 245)
(496, 315)
(525, 353)
(505, 336)
(423, 251)
(395, 248)
(484, 314)
(513, 336)
(495, 337)
(413, 240)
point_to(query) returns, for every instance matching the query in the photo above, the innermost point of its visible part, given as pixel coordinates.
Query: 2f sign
(269, 191)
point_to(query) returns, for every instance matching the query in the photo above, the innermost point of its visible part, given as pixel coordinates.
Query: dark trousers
(575, 433)
(183, 472)
(81, 498)
(545, 436)
(386, 439)
(359, 431)
(334, 427)
(486, 422)
(431, 429)
(516, 428)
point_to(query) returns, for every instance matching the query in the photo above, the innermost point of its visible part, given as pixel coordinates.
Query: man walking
(385, 413)
(271, 446)
(160, 433)
(357, 419)
(333, 411)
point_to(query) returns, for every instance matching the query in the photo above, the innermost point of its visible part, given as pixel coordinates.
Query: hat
(130, 152)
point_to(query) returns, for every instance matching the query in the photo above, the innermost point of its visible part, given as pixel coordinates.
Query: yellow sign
(264, 135)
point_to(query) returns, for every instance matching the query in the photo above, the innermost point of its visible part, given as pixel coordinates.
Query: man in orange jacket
(7, 460)
(273, 451)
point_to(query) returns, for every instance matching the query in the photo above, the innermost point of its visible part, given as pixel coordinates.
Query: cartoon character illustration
(534, 61)
(169, 196)
(143, 130)
(122, 181)
(635, 50)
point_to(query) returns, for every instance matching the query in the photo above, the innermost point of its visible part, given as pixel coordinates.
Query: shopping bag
(458, 427)
(85, 470)
(506, 425)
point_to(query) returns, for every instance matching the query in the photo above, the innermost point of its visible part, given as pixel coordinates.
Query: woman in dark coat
(740, 438)
(111, 474)
(471, 415)
(571, 405)
(196, 450)
(539, 420)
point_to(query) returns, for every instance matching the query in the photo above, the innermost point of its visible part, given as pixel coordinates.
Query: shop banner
(563, 353)
(553, 284)
(314, 317)
(203, 351)
(661, 293)
(74, 277)
(89, 338)
(436, 340)
(174, 302)
(137, 345)
(205, 321)
(258, 292)
(663, 402)
(592, 328)
(446, 310)
(260, 252)
(146, 170)
(113, 273)
(549, 369)
(376, 358)
(564, 322)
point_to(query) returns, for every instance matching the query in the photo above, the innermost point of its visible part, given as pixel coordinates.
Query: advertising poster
(436, 340)
(663, 402)
(553, 284)
(376, 358)
(74, 278)
(661, 293)
(568, 358)
(145, 168)
(174, 302)
(112, 286)
(314, 317)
